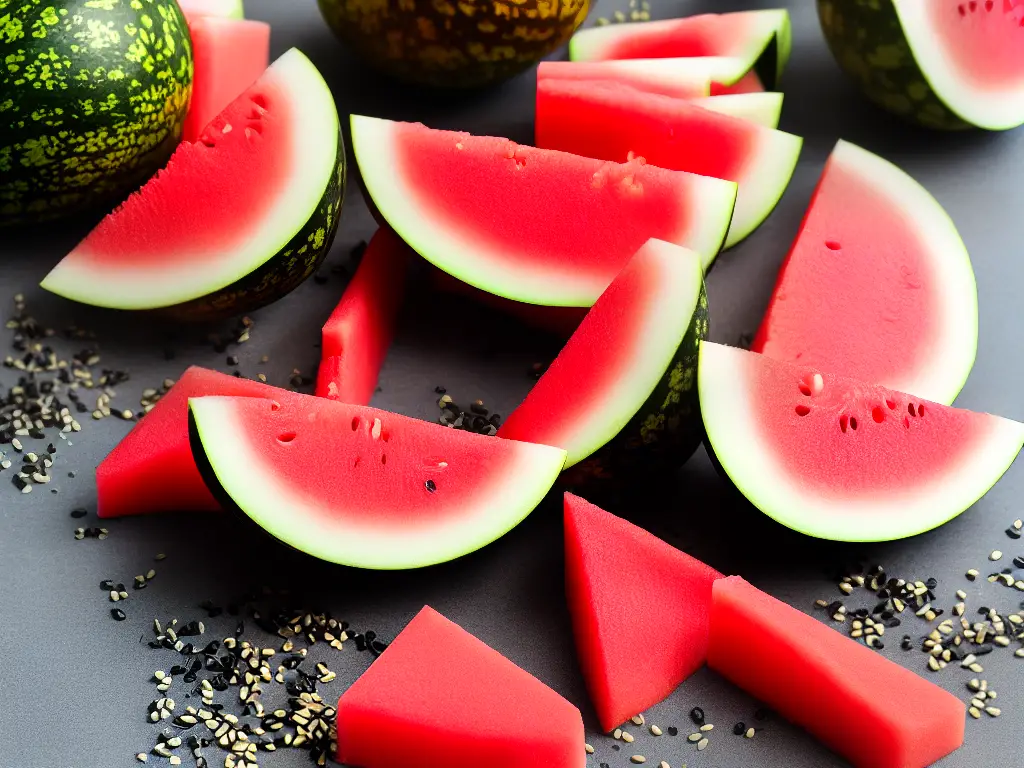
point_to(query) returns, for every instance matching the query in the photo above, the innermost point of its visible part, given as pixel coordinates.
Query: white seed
(933, 664)
(750, 733)
(993, 711)
(664, 764)
(638, 719)
(142, 757)
(702, 745)
(974, 712)
(995, 555)
(617, 733)
(707, 727)
(638, 759)
(588, 749)
(627, 737)
(655, 730)
(977, 668)
(694, 738)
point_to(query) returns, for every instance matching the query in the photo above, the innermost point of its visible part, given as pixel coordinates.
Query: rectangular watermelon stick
(359, 332)
(870, 710)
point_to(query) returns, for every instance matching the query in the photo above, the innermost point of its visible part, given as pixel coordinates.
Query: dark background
(74, 684)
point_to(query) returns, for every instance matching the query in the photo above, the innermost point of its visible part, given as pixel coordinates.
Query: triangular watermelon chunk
(621, 581)
(440, 698)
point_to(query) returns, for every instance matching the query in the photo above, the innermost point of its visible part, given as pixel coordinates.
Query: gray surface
(73, 684)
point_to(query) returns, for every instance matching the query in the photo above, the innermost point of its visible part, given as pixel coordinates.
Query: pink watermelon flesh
(870, 710)
(358, 333)
(650, 77)
(906, 316)
(611, 122)
(363, 487)
(984, 40)
(229, 55)
(151, 469)
(621, 583)
(750, 83)
(225, 9)
(440, 698)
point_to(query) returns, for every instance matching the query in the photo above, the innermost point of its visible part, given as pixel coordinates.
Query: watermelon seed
(588, 749)
(739, 729)
(673, 731)
(702, 745)
(707, 727)
(853, 423)
(655, 730)
(355, 423)
(694, 738)
(430, 485)
(638, 759)
(627, 737)
(995, 555)
(697, 715)
(749, 733)
(383, 458)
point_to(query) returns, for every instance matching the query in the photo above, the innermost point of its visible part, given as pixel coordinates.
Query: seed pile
(478, 419)
(639, 10)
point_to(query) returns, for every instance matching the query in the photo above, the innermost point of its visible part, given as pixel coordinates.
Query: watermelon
(358, 333)
(749, 83)
(944, 64)
(82, 124)
(842, 459)
(224, 9)
(440, 698)
(907, 314)
(870, 710)
(764, 109)
(762, 40)
(621, 395)
(527, 224)
(272, 166)
(362, 487)
(623, 583)
(610, 122)
(230, 55)
(151, 469)
(682, 78)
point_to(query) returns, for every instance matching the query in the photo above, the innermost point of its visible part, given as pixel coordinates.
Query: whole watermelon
(454, 43)
(93, 95)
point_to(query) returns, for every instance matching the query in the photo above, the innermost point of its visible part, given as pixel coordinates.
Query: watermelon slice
(764, 109)
(749, 83)
(235, 220)
(841, 459)
(225, 9)
(151, 469)
(942, 63)
(622, 394)
(440, 698)
(230, 55)
(762, 40)
(362, 487)
(358, 333)
(872, 711)
(623, 583)
(682, 78)
(611, 122)
(527, 224)
(907, 314)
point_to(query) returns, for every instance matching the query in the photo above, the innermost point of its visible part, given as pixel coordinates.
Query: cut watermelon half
(529, 224)
(622, 393)
(235, 220)
(842, 459)
(749, 83)
(151, 469)
(229, 55)
(358, 333)
(623, 583)
(872, 711)
(681, 78)
(907, 314)
(610, 122)
(225, 9)
(440, 698)
(362, 487)
(762, 40)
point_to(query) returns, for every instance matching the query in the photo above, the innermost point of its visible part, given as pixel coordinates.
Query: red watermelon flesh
(907, 314)
(358, 333)
(529, 224)
(872, 711)
(440, 698)
(229, 55)
(610, 122)
(364, 487)
(151, 469)
(622, 582)
(225, 9)
(983, 40)
(749, 83)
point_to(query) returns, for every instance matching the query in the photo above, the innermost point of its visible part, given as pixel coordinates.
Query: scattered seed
(694, 737)
(655, 730)
(702, 745)
(638, 759)
(588, 749)
(638, 719)
(707, 727)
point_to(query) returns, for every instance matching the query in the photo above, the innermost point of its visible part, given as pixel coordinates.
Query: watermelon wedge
(621, 394)
(358, 333)
(870, 710)
(362, 487)
(225, 9)
(440, 698)
(621, 583)
(764, 109)
(749, 83)
(229, 55)
(151, 469)
(907, 316)
(842, 459)
(681, 78)
(614, 123)
(235, 220)
(527, 224)
(762, 40)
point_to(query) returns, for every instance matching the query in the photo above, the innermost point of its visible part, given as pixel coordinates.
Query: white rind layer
(764, 109)
(331, 535)
(315, 128)
(670, 72)
(749, 459)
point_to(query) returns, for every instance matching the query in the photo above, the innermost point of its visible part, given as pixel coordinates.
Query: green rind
(93, 96)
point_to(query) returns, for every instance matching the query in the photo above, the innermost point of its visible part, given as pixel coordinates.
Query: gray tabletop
(74, 684)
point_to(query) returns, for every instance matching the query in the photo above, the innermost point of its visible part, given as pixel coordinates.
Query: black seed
(834, 606)
(440, 390)
(118, 614)
(673, 731)
(983, 649)
(1013, 533)
(615, 747)
(107, 585)
(78, 513)
(739, 729)
(906, 644)
(697, 715)
(430, 485)
(931, 583)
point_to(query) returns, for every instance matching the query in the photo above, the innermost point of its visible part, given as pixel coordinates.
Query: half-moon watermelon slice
(762, 40)
(611, 122)
(235, 220)
(906, 316)
(363, 487)
(682, 78)
(843, 459)
(528, 224)
(621, 393)
(623, 583)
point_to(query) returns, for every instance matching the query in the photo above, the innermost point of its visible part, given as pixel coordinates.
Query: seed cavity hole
(920, 411)
(287, 437)
(890, 404)
(906, 422)
(375, 429)
(383, 458)
(356, 461)
(911, 410)
(260, 101)
(853, 423)
(275, 406)
(844, 422)
(833, 245)
(878, 414)
(355, 423)
(805, 389)
(802, 410)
